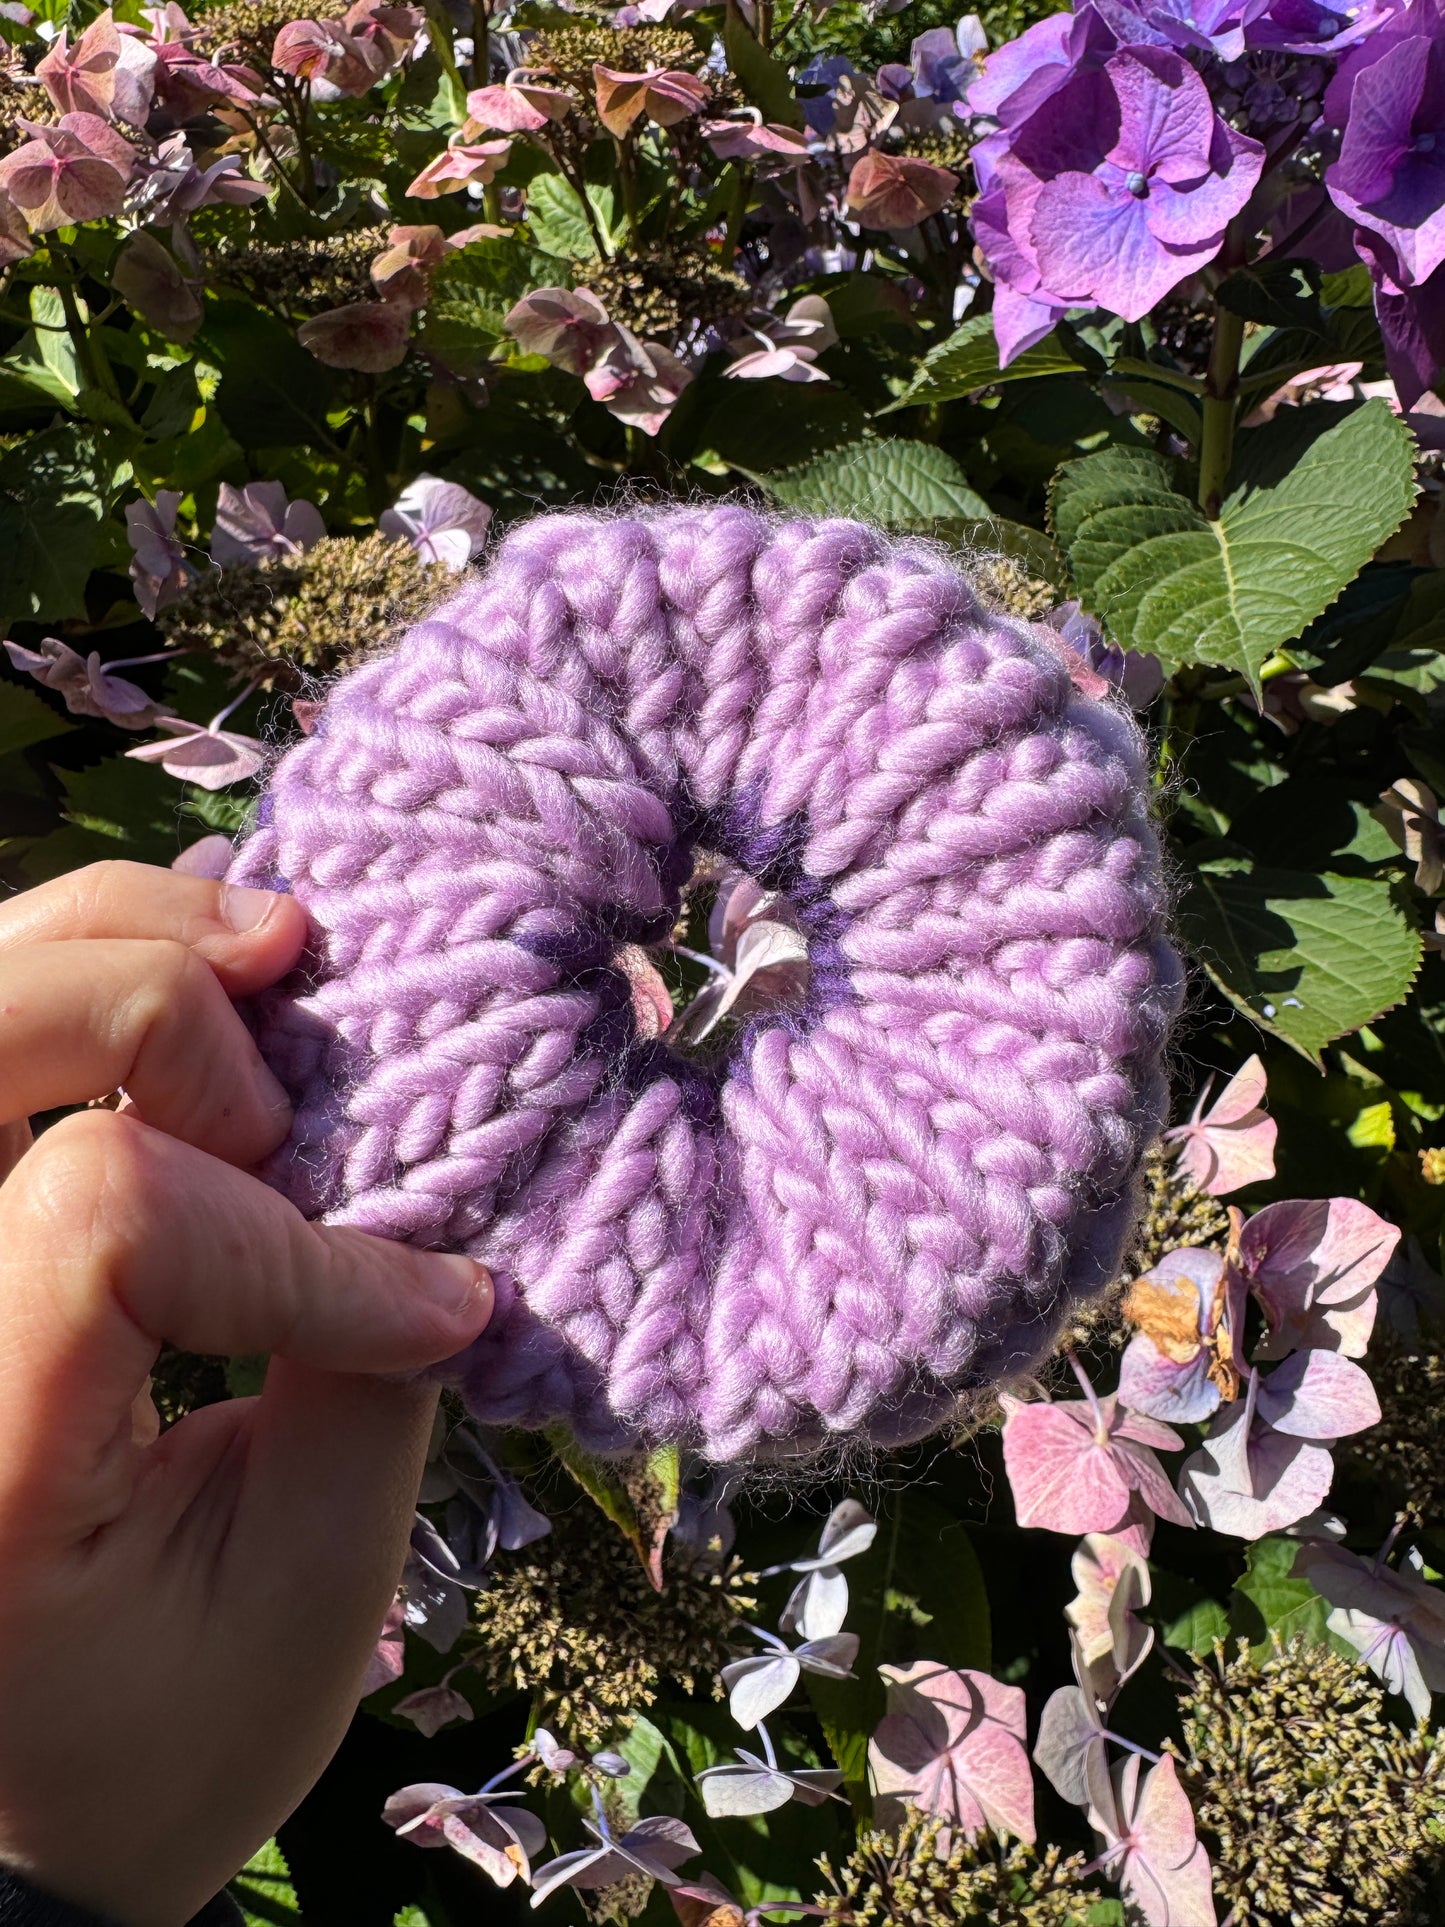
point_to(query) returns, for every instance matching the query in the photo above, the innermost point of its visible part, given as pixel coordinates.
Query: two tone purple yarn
(886, 1198)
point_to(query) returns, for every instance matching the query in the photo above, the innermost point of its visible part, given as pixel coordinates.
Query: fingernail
(462, 1286)
(244, 909)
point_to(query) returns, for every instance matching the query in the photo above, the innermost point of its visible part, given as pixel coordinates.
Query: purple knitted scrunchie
(888, 1196)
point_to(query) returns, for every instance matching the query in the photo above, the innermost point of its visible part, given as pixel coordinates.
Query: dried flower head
(1175, 1214)
(1406, 1449)
(1316, 1810)
(663, 289)
(946, 145)
(920, 1877)
(575, 1620)
(571, 52)
(22, 99)
(317, 611)
(303, 277)
(1005, 584)
(251, 26)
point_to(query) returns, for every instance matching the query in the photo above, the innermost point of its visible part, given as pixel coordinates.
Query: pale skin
(187, 1616)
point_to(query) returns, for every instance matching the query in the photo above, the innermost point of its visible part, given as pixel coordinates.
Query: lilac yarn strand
(885, 1199)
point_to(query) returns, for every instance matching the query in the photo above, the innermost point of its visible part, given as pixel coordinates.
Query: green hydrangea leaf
(116, 808)
(26, 719)
(263, 1890)
(56, 490)
(785, 425)
(917, 1593)
(1308, 957)
(272, 393)
(1266, 1601)
(471, 293)
(764, 80)
(968, 360)
(900, 484)
(1311, 497)
(559, 221)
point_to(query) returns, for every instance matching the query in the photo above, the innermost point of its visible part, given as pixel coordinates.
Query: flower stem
(1220, 403)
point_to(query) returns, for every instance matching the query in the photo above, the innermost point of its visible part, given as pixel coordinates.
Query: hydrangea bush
(1139, 307)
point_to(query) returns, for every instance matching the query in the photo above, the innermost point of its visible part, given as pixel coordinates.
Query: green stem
(94, 362)
(275, 159)
(737, 213)
(629, 185)
(481, 42)
(1221, 405)
(378, 482)
(1220, 400)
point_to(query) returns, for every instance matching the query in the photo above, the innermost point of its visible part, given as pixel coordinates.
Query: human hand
(188, 1617)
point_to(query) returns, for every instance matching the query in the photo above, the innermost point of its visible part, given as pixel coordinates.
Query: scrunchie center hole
(737, 951)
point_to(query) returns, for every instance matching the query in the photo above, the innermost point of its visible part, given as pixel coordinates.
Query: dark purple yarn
(888, 1197)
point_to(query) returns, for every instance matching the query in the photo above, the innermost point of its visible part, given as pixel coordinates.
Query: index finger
(248, 937)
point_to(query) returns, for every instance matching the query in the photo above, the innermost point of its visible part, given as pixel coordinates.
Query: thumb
(115, 1239)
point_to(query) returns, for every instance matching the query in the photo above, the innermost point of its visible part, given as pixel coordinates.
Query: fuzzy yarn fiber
(885, 1198)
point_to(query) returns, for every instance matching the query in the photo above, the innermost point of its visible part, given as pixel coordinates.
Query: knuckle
(96, 892)
(173, 980)
(83, 1186)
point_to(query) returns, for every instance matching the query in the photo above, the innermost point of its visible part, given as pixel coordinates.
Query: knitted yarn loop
(888, 1197)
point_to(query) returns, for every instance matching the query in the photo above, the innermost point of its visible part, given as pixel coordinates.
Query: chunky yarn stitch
(887, 1197)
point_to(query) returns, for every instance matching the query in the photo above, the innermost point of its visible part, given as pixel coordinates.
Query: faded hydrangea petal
(818, 1605)
(367, 335)
(1161, 1867)
(1312, 1263)
(897, 190)
(1072, 1468)
(952, 1743)
(756, 1786)
(1248, 1479)
(86, 684)
(443, 521)
(1318, 1395)
(1395, 1620)
(518, 106)
(569, 326)
(460, 166)
(257, 522)
(106, 72)
(1113, 1584)
(433, 1707)
(655, 1846)
(207, 756)
(158, 565)
(1233, 1144)
(665, 96)
(73, 172)
(150, 280)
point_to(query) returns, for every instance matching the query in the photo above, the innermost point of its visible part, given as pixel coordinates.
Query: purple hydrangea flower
(1393, 1619)
(257, 522)
(655, 1846)
(1315, 27)
(1137, 677)
(820, 110)
(1021, 75)
(1207, 26)
(1411, 318)
(1125, 186)
(1390, 176)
